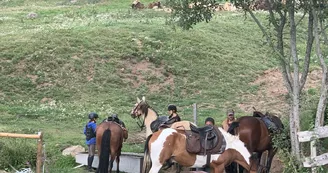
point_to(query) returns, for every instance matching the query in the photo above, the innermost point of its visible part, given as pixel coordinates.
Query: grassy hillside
(74, 58)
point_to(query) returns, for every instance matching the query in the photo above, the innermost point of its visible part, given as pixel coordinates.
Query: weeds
(71, 59)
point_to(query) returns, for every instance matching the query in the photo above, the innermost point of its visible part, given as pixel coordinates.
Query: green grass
(73, 54)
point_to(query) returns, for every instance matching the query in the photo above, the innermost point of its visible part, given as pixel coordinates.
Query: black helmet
(93, 115)
(210, 120)
(172, 107)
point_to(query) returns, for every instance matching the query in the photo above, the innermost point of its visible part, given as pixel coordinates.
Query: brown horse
(255, 133)
(109, 136)
(170, 143)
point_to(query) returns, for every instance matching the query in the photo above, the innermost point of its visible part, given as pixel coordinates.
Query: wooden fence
(39, 137)
(311, 136)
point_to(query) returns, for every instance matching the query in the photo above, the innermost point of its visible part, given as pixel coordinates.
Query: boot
(90, 160)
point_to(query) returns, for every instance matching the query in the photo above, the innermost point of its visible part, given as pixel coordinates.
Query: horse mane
(258, 114)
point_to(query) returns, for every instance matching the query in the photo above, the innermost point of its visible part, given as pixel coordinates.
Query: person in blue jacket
(90, 133)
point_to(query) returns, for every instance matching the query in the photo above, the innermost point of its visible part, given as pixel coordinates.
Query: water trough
(129, 162)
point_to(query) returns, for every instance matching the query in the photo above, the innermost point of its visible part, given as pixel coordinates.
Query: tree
(281, 16)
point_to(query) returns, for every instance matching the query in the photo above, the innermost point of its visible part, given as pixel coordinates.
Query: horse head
(140, 108)
(144, 115)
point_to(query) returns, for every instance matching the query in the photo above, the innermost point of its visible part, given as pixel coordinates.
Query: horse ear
(143, 98)
(138, 100)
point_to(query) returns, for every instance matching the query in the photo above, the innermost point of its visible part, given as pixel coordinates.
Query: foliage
(187, 13)
(20, 153)
(76, 58)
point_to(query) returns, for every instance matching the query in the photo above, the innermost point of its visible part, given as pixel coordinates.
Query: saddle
(120, 123)
(269, 123)
(205, 140)
(155, 125)
(114, 119)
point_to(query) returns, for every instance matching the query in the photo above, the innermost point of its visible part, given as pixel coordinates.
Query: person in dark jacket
(90, 133)
(173, 116)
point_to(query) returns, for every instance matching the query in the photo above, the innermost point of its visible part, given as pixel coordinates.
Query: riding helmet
(210, 119)
(172, 107)
(93, 115)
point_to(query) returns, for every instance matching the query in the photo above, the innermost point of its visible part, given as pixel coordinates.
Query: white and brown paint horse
(147, 115)
(170, 143)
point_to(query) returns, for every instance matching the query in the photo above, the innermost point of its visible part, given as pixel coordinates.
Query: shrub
(20, 153)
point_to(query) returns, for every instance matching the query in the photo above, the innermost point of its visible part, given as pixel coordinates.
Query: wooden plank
(16, 135)
(320, 132)
(313, 154)
(316, 161)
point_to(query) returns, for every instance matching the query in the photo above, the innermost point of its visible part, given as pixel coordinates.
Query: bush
(20, 153)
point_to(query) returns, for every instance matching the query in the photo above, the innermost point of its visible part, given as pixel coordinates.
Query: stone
(73, 150)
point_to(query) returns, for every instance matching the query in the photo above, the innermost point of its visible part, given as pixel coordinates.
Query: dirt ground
(271, 95)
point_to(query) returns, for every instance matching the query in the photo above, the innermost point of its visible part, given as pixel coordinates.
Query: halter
(143, 121)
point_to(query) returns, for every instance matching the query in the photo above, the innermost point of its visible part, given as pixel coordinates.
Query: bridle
(138, 121)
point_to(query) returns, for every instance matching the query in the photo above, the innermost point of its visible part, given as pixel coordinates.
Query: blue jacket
(92, 125)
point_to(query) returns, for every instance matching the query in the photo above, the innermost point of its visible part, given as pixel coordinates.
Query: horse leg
(156, 160)
(118, 163)
(271, 154)
(218, 167)
(112, 158)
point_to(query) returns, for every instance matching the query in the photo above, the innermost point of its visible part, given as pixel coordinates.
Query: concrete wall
(129, 162)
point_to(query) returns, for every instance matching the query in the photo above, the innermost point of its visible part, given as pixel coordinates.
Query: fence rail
(312, 136)
(39, 137)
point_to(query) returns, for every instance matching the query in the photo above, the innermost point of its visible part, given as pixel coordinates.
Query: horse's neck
(233, 142)
(151, 116)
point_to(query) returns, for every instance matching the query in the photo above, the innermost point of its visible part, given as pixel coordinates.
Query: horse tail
(232, 127)
(147, 160)
(146, 149)
(105, 152)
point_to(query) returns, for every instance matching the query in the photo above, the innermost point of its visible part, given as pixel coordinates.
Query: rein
(139, 122)
(143, 121)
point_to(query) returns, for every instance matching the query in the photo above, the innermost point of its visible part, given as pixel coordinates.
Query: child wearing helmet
(173, 116)
(90, 133)
(209, 121)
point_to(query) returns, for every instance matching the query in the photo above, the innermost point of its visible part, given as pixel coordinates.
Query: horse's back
(116, 131)
(182, 125)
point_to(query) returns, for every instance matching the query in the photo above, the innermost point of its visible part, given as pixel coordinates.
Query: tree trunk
(319, 120)
(294, 119)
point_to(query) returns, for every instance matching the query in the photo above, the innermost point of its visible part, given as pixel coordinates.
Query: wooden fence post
(195, 113)
(39, 154)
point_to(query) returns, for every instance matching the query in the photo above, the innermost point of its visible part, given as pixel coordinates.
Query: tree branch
(284, 65)
(297, 23)
(307, 57)
(273, 19)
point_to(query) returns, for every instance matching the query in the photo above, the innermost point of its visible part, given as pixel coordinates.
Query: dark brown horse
(256, 132)
(110, 136)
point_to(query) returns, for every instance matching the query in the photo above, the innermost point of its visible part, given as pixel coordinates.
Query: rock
(32, 15)
(73, 150)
